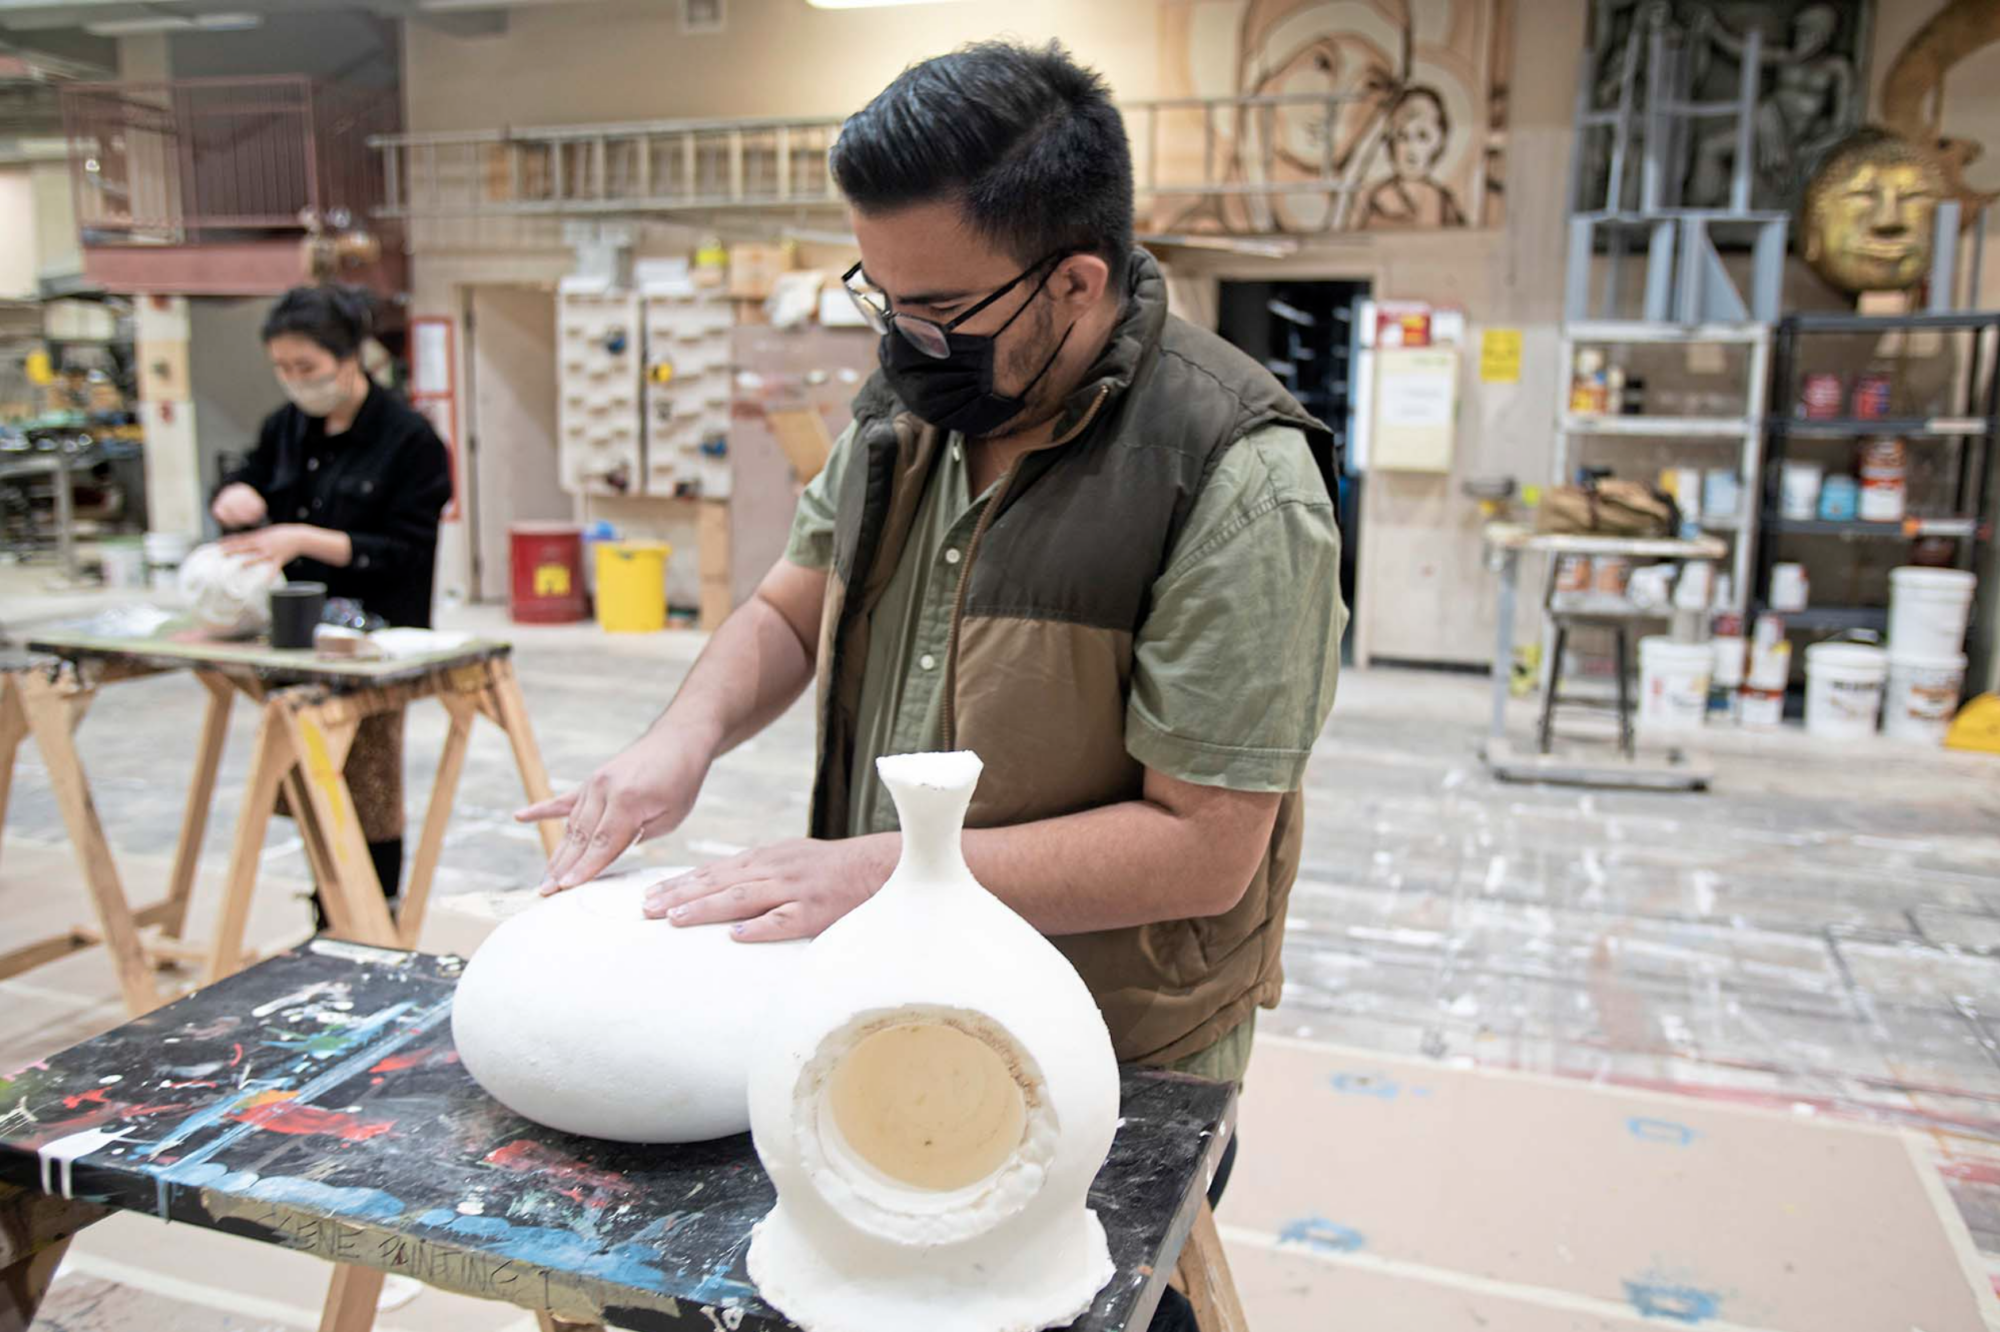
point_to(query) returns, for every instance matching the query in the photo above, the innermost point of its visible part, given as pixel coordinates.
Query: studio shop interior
(932, 665)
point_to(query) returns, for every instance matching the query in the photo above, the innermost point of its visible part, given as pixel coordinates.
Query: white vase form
(583, 1015)
(932, 1103)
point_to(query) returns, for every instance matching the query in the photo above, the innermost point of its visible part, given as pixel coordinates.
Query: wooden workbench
(310, 709)
(315, 1102)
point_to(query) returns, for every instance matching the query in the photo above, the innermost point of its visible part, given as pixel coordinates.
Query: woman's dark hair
(1025, 140)
(335, 316)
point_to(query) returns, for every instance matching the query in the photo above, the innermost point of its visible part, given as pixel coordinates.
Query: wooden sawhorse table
(310, 710)
(426, 1171)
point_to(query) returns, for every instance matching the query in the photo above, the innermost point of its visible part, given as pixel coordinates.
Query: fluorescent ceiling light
(139, 27)
(874, 4)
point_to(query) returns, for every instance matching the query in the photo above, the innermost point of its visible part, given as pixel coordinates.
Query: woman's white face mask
(316, 397)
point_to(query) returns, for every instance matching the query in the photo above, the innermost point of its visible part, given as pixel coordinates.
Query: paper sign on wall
(1416, 401)
(1500, 356)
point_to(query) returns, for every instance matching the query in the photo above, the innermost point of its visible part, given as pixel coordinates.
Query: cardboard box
(753, 269)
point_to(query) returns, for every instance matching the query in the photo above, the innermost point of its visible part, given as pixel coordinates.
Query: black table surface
(315, 1101)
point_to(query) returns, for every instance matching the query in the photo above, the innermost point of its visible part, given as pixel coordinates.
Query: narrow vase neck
(932, 793)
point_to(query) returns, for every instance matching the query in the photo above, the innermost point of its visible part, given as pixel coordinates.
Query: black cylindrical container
(295, 612)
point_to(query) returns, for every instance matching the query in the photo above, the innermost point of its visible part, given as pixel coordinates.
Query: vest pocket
(1172, 948)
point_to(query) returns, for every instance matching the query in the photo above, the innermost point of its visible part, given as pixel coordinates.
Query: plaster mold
(933, 1103)
(581, 1014)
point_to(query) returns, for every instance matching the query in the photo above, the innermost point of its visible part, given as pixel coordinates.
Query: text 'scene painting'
(1394, 118)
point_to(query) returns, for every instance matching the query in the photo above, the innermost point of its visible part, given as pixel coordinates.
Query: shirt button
(952, 556)
(312, 464)
(303, 511)
(927, 661)
(315, 504)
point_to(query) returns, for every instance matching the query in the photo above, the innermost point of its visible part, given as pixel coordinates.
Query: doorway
(510, 336)
(1304, 333)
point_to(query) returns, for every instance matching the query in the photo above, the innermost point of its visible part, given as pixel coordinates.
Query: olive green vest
(1053, 588)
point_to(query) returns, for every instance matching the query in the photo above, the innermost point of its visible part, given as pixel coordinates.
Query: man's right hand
(644, 792)
(238, 505)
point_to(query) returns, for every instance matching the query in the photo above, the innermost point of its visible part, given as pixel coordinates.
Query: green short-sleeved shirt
(1251, 592)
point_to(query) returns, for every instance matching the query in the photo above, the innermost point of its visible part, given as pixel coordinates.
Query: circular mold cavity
(924, 1123)
(927, 1105)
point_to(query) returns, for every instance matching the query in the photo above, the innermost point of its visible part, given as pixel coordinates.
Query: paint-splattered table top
(315, 1101)
(177, 645)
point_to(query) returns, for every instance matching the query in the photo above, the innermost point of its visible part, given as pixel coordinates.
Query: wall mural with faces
(1416, 144)
(1811, 89)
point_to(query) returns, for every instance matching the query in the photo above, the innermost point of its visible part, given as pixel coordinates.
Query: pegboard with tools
(687, 389)
(601, 443)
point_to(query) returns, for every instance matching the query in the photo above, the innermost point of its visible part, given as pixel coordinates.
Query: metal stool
(1619, 628)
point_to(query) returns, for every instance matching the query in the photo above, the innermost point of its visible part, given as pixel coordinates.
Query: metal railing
(175, 161)
(1206, 152)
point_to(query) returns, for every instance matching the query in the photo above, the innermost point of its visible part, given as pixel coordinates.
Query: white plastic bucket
(166, 550)
(124, 564)
(1673, 684)
(1923, 696)
(1928, 610)
(1844, 689)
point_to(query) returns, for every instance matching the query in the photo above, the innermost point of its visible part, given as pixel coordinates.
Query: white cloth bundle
(229, 595)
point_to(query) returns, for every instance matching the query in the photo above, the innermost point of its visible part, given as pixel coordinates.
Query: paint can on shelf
(1844, 689)
(1819, 399)
(1721, 495)
(1883, 468)
(1871, 395)
(1839, 499)
(1798, 490)
(1788, 586)
(1922, 697)
(1928, 610)
(1573, 573)
(1673, 683)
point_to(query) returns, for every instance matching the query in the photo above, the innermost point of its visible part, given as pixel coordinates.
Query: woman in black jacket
(345, 488)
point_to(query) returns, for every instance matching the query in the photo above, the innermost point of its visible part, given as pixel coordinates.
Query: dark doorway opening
(1304, 333)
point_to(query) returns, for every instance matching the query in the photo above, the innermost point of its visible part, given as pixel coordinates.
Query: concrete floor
(1818, 934)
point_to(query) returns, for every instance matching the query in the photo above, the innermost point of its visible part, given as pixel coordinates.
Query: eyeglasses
(928, 335)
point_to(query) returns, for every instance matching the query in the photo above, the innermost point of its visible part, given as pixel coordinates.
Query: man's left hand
(279, 545)
(792, 890)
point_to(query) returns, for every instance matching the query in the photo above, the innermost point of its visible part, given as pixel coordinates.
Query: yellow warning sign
(1500, 356)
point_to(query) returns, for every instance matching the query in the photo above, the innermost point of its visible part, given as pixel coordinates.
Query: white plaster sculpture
(581, 1014)
(229, 595)
(933, 1103)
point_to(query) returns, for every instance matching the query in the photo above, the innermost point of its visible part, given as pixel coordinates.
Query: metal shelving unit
(1970, 427)
(1574, 431)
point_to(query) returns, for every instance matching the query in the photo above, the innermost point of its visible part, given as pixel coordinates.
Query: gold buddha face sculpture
(1868, 213)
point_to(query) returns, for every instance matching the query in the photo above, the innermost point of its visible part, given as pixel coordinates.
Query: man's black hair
(1024, 139)
(335, 316)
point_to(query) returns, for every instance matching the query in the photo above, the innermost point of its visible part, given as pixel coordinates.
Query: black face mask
(955, 391)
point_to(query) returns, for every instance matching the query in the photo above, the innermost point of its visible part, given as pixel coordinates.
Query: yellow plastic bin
(632, 586)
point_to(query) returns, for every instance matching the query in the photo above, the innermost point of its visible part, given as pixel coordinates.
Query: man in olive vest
(1066, 530)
